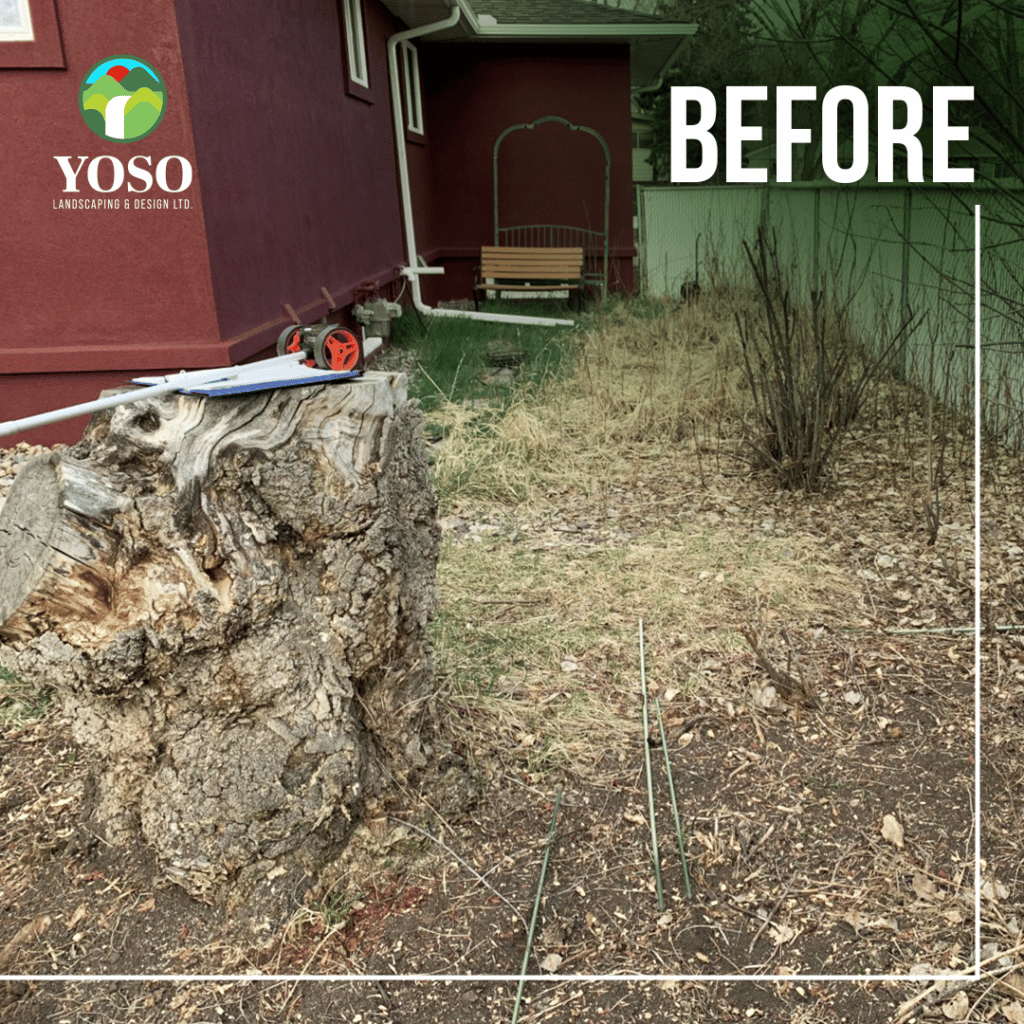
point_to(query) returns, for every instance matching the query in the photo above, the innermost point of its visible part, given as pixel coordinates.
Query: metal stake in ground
(672, 797)
(536, 908)
(650, 780)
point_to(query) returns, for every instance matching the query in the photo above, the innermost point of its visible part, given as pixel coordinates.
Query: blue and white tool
(317, 355)
(260, 376)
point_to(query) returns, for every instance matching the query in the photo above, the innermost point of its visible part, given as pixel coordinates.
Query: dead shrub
(807, 375)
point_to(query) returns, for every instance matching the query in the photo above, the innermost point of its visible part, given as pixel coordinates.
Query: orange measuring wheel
(334, 348)
(291, 339)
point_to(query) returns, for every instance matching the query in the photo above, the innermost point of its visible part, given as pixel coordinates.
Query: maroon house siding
(301, 180)
(93, 295)
(548, 175)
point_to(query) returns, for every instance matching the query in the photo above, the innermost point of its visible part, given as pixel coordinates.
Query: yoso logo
(122, 99)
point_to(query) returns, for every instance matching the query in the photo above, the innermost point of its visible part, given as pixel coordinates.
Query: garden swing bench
(545, 257)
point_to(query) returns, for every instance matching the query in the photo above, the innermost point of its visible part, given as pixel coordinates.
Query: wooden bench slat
(525, 250)
(503, 270)
(543, 269)
(514, 261)
(535, 286)
(527, 255)
(523, 278)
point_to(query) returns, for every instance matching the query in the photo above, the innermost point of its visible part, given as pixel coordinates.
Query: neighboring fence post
(639, 239)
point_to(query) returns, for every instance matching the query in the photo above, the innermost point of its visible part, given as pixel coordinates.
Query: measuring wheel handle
(293, 339)
(335, 348)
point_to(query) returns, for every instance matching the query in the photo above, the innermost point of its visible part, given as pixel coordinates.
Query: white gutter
(630, 31)
(634, 30)
(413, 271)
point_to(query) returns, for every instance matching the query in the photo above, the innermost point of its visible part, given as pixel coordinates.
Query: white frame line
(413, 96)
(970, 973)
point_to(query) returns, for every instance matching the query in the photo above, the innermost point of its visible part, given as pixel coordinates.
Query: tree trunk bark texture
(230, 596)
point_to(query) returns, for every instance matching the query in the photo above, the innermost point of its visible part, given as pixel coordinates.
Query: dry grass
(663, 378)
(538, 623)
(545, 645)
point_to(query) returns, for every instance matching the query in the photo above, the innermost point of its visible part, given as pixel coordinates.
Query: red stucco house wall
(303, 183)
(89, 296)
(548, 175)
(294, 192)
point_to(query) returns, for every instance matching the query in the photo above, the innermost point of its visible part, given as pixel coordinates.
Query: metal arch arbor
(553, 235)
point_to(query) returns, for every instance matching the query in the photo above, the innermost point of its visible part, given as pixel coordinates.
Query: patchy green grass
(457, 355)
(19, 702)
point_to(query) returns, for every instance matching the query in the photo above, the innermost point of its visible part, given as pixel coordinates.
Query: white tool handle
(191, 378)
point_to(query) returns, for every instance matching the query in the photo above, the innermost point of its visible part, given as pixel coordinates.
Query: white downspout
(412, 271)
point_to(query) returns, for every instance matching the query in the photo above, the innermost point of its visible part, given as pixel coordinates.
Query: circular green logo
(122, 99)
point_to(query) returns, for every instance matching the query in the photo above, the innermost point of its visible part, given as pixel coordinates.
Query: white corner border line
(973, 973)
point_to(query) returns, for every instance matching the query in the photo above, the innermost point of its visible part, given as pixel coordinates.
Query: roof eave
(654, 81)
(645, 37)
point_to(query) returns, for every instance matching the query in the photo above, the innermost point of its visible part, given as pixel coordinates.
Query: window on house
(355, 40)
(413, 101)
(15, 22)
(30, 35)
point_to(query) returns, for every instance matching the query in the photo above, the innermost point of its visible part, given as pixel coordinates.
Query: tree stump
(230, 596)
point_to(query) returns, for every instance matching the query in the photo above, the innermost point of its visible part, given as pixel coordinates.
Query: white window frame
(355, 40)
(413, 95)
(23, 33)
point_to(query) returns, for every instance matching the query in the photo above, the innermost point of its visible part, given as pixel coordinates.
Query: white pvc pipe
(412, 274)
(174, 382)
(412, 271)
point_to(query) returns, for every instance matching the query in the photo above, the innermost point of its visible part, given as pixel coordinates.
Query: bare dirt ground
(817, 679)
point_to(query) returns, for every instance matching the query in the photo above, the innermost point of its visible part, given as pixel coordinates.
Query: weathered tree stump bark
(230, 596)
